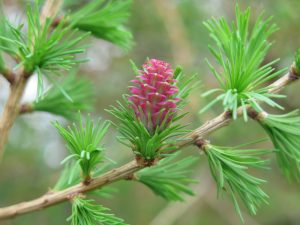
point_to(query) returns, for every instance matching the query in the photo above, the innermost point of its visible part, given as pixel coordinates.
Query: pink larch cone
(153, 94)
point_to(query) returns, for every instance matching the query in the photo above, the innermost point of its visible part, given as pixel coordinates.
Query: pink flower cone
(152, 95)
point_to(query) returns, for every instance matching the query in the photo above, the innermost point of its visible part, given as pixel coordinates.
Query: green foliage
(240, 51)
(284, 131)
(186, 84)
(68, 177)
(70, 3)
(83, 143)
(143, 143)
(71, 176)
(170, 177)
(86, 212)
(105, 19)
(297, 61)
(73, 94)
(3, 32)
(6, 33)
(228, 167)
(41, 49)
(104, 192)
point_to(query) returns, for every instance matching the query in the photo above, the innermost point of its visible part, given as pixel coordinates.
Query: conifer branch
(9, 75)
(18, 83)
(225, 118)
(126, 171)
(52, 198)
(11, 108)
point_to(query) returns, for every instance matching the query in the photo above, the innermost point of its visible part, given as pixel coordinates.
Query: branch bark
(11, 109)
(127, 170)
(52, 198)
(9, 75)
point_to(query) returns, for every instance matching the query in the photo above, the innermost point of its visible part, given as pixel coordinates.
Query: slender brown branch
(52, 198)
(291, 76)
(11, 109)
(9, 75)
(126, 171)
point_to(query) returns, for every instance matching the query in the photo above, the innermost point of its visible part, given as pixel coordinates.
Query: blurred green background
(170, 30)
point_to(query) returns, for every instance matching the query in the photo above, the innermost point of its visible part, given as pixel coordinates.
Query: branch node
(74, 195)
(227, 114)
(26, 108)
(87, 180)
(201, 143)
(146, 162)
(131, 176)
(9, 75)
(57, 21)
(293, 73)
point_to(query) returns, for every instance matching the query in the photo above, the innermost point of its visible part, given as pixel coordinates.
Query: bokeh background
(170, 30)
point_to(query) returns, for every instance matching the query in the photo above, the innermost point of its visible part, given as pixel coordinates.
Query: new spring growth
(148, 118)
(152, 95)
(84, 143)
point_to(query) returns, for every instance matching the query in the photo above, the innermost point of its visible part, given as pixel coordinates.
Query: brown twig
(11, 109)
(52, 198)
(9, 75)
(291, 76)
(126, 171)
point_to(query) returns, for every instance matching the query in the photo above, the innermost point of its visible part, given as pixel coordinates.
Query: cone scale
(152, 94)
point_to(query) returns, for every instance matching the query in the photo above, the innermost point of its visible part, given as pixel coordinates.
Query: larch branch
(11, 109)
(125, 171)
(17, 85)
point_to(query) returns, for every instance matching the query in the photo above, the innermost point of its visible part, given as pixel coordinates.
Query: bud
(152, 95)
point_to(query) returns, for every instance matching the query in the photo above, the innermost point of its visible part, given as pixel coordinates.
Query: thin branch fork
(9, 75)
(126, 171)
